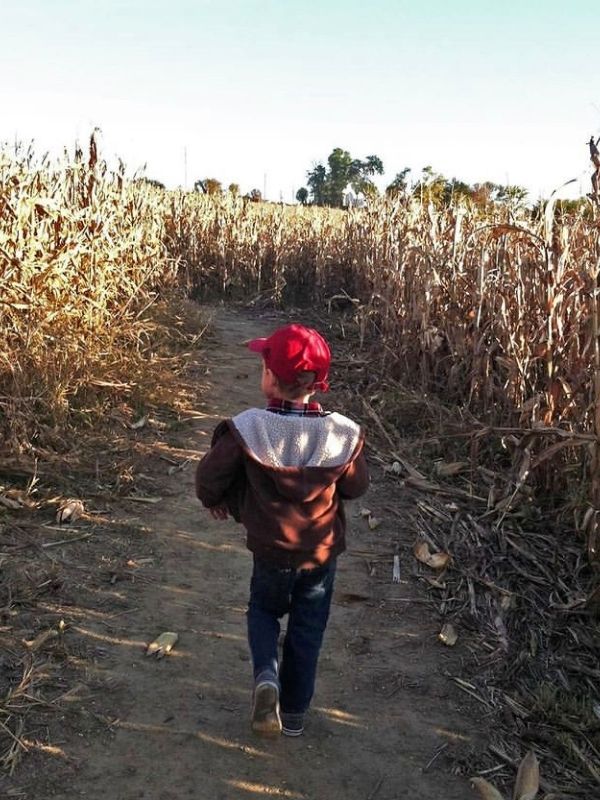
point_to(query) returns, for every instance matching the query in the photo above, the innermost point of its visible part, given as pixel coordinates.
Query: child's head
(295, 362)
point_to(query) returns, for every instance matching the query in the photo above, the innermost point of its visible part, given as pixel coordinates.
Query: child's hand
(219, 512)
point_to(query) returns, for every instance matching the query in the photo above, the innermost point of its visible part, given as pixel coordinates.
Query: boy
(283, 473)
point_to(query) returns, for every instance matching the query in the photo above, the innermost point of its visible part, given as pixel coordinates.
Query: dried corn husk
(425, 556)
(528, 778)
(163, 644)
(448, 635)
(486, 790)
(71, 511)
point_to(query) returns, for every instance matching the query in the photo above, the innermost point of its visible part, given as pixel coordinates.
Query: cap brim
(256, 345)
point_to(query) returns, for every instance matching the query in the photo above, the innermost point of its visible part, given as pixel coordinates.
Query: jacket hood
(302, 455)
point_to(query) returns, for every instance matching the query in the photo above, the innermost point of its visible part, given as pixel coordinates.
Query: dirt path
(383, 708)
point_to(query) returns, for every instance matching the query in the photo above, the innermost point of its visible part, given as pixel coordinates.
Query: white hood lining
(281, 440)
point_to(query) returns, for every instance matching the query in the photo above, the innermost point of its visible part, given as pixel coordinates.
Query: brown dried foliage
(495, 311)
(82, 254)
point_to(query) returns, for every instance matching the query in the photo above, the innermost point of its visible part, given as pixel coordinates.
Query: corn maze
(492, 312)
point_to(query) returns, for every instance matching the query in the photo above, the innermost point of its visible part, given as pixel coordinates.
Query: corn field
(80, 256)
(494, 311)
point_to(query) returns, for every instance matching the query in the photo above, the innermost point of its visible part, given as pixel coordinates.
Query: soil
(387, 720)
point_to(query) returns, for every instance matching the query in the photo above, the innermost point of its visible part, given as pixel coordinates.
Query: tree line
(326, 184)
(213, 186)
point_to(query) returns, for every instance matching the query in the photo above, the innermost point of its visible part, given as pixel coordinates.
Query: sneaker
(292, 724)
(266, 720)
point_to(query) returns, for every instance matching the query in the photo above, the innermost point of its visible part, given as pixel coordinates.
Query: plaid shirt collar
(278, 406)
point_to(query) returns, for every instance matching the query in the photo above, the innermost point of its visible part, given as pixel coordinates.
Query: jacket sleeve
(354, 481)
(220, 469)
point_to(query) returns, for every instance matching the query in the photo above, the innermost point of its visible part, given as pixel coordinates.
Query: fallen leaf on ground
(528, 778)
(423, 554)
(448, 635)
(486, 790)
(395, 468)
(365, 512)
(140, 423)
(374, 523)
(438, 560)
(162, 645)
(70, 512)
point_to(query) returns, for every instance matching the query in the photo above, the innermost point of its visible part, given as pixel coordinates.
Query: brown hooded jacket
(284, 478)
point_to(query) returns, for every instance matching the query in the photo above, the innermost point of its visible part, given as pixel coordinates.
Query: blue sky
(479, 90)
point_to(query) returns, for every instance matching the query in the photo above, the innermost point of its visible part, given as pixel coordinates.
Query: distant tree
(431, 187)
(372, 165)
(255, 195)
(399, 185)
(435, 188)
(234, 189)
(513, 196)
(576, 206)
(302, 195)
(341, 169)
(484, 193)
(456, 190)
(361, 173)
(199, 186)
(370, 191)
(213, 186)
(327, 184)
(316, 181)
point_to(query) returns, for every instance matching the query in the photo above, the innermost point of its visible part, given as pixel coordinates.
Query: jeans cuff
(266, 676)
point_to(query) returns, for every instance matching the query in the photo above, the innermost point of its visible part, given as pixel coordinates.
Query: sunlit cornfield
(493, 310)
(486, 317)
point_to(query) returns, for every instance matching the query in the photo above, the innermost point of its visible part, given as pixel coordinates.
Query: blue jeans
(306, 596)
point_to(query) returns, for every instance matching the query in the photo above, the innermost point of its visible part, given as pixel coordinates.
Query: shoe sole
(265, 711)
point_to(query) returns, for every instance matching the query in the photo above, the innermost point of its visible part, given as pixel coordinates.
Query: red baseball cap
(295, 349)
